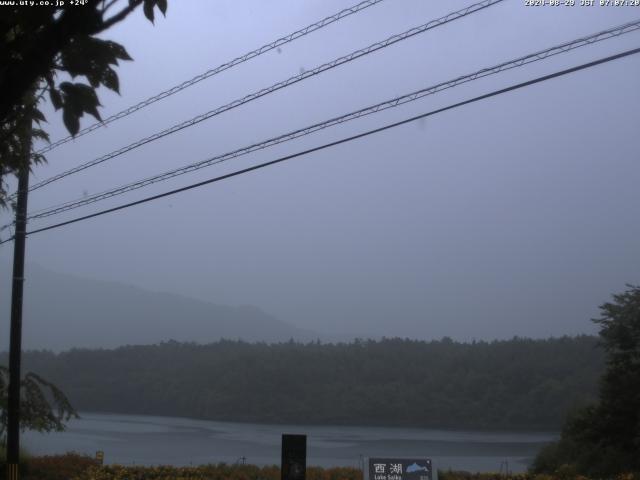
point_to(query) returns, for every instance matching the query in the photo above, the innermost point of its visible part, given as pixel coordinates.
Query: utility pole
(15, 341)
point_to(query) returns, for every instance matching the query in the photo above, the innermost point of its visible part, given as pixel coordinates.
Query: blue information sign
(399, 469)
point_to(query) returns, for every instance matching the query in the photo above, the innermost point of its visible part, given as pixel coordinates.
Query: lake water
(147, 440)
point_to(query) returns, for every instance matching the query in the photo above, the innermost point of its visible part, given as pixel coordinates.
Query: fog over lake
(146, 440)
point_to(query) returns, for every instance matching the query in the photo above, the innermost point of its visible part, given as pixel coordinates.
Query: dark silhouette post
(294, 457)
(15, 345)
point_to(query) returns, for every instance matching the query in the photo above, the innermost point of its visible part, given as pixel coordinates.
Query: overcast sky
(514, 216)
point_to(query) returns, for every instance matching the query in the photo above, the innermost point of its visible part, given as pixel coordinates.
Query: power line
(518, 62)
(343, 140)
(277, 86)
(214, 71)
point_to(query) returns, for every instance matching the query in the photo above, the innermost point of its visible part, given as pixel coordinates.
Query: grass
(73, 466)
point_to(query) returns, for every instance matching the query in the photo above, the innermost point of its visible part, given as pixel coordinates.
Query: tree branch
(108, 5)
(46, 42)
(118, 17)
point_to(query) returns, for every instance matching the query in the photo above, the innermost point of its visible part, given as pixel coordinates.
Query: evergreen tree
(604, 439)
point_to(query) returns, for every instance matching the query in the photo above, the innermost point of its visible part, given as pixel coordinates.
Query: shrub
(57, 467)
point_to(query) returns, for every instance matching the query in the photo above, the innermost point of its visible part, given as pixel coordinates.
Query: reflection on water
(146, 440)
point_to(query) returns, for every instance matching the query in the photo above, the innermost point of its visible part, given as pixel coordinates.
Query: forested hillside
(518, 383)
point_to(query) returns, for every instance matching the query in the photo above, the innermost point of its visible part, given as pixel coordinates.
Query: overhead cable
(341, 141)
(394, 102)
(214, 71)
(275, 87)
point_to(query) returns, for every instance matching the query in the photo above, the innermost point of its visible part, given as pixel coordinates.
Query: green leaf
(38, 158)
(78, 99)
(71, 121)
(148, 9)
(162, 6)
(39, 133)
(66, 87)
(92, 58)
(85, 99)
(38, 116)
(56, 98)
(118, 50)
(92, 110)
(94, 78)
(110, 80)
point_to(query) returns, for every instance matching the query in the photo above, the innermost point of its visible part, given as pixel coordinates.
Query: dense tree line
(519, 383)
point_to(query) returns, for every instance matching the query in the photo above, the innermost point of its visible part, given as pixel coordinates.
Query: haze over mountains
(64, 311)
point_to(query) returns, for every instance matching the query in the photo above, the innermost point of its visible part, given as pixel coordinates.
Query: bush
(57, 467)
(73, 466)
(210, 472)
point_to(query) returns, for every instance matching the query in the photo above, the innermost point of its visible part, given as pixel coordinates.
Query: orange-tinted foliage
(72, 466)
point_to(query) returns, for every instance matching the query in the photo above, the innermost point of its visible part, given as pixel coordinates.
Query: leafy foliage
(37, 45)
(81, 467)
(507, 384)
(562, 475)
(77, 99)
(57, 467)
(43, 406)
(604, 439)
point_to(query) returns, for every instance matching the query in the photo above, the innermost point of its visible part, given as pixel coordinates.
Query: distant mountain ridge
(63, 311)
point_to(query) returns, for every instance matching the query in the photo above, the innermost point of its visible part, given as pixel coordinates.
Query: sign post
(294, 457)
